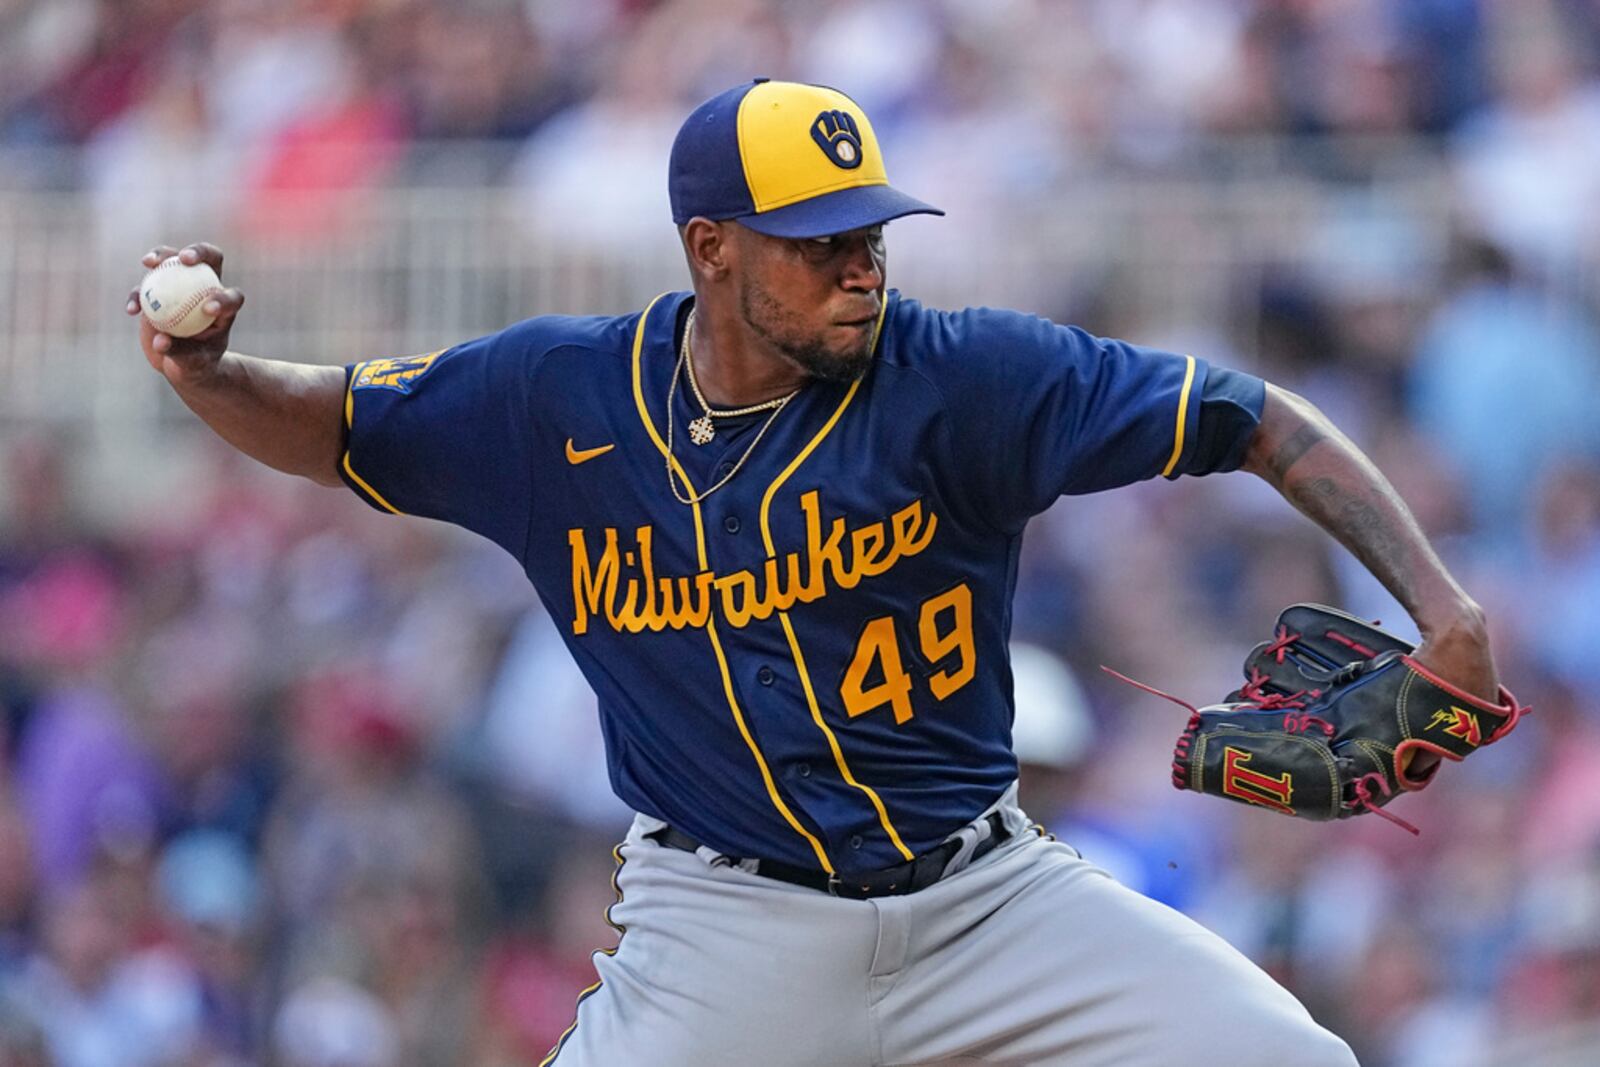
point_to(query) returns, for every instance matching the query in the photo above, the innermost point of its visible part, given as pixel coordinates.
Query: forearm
(1304, 456)
(286, 415)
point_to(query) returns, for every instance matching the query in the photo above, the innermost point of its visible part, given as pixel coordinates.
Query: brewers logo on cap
(835, 133)
(752, 154)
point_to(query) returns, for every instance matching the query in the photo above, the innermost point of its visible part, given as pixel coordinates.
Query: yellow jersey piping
(788, 627)
(711, 628)
(349, 424)
(1183, 417)
(833, 742)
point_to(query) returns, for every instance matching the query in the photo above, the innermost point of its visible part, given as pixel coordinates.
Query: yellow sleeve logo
(396, 374)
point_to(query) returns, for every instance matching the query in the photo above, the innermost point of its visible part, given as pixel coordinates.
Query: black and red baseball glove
(1332, 712)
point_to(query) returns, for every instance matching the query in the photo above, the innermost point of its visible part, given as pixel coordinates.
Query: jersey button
(803, 770)
(765, 676)
(857, 841)
(731, 524)
(724, 470)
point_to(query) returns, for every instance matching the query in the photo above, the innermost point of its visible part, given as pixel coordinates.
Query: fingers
(202, 252)
(199, 252)
(224, 306)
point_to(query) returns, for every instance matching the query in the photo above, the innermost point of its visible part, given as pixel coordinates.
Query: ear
(706, 243)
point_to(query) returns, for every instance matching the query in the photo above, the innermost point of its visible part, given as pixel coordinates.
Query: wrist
(195, 372)
(1455, 647)
(1456, 618)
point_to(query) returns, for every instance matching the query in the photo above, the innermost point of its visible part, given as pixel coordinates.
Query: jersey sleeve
(447, 435)
(1038, 411)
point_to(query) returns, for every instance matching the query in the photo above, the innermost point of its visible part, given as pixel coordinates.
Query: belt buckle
(870, 884)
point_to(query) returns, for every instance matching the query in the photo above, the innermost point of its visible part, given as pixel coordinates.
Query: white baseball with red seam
(173, 294)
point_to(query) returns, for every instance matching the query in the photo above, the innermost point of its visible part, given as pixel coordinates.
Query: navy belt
(903, 878)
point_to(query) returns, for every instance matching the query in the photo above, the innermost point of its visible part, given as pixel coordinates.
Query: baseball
(171, 296)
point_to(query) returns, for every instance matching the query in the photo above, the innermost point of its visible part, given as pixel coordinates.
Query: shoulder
(974, 347)
(532, 340)
(917, 333)
(507, 364)
(514, 358)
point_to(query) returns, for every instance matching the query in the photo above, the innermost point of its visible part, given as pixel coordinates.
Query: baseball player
(777, 519)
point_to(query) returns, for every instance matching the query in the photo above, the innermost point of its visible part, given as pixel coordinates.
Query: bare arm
(1317, 469)
(286, 415)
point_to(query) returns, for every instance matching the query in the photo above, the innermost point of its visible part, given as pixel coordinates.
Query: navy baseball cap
(785, 159)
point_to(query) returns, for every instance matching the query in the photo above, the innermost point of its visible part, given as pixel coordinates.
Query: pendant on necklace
(701, 431)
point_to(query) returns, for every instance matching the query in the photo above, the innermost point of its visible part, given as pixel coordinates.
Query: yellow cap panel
(800, 141)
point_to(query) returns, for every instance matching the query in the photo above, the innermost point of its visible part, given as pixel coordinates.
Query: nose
(863, 267)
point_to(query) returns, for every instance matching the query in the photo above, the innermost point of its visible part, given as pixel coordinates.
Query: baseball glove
(1332, 712)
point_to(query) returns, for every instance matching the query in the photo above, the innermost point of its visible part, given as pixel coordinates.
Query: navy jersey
(810, 665)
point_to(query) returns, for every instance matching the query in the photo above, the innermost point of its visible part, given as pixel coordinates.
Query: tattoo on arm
(1327, 478)
(1298, 444)
(1374, 534)
(1318, 470)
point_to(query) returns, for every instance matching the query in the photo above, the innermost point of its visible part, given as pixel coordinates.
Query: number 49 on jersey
(944, 636)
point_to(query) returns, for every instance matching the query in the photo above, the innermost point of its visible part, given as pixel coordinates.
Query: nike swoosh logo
(576, 456)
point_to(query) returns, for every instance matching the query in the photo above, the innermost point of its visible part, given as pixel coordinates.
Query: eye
(817, 249)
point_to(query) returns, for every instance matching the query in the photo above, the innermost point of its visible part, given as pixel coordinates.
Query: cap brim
(847, 209)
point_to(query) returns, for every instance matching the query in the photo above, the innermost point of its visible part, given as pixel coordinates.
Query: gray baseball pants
(1028, 956)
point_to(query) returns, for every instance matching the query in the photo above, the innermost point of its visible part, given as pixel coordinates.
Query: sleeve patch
(397, 374)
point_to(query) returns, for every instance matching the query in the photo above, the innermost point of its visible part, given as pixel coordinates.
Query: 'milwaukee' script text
(623, 587)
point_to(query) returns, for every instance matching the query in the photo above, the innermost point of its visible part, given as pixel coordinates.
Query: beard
(782, 330)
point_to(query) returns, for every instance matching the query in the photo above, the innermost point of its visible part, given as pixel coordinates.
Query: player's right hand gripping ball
(1331, 714)
(173, 296)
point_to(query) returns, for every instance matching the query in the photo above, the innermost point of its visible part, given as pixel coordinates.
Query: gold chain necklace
(672, 392)
(701, 430)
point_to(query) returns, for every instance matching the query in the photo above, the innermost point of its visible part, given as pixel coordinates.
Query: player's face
(815, 300)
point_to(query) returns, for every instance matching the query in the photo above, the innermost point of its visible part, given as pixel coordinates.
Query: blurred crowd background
(285, 781)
